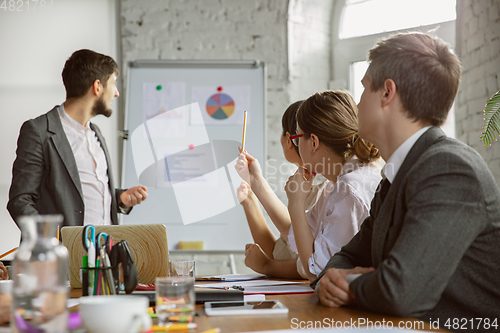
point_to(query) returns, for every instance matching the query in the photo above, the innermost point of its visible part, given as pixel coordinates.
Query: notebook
(148, 246)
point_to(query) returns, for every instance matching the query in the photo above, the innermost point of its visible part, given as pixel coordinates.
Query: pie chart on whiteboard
(220, 106)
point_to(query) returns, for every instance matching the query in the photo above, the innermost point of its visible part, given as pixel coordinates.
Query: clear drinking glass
(175, 299)
(40, 274)
(181, 268)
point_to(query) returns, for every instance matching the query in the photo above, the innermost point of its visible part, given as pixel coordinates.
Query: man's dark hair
(425, 71)
(83, 68)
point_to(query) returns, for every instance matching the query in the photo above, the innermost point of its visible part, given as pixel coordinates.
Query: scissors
(90, 246)
(102, 249)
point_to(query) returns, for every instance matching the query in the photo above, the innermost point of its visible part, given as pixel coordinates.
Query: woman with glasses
(250, 170)
(328, 143)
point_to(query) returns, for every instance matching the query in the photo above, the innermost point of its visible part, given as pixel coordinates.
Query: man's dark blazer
(434, 240)
(45, 177)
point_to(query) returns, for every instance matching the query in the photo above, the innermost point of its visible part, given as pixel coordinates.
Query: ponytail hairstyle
(288, 121)
(332, 115)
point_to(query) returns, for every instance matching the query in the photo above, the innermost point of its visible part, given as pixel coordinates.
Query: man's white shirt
(394, 162)
(92, 168)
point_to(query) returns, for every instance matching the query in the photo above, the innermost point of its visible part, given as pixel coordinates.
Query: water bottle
(40, 271)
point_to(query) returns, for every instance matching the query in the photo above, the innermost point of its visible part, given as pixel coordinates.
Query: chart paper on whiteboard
(162, 101)
(220, 105)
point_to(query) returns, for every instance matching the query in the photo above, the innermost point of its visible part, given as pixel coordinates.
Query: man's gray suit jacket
(45, 177)
(434, 240)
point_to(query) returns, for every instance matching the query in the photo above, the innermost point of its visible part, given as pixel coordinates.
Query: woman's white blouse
(339, 211)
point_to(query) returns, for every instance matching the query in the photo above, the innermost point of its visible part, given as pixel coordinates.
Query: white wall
(34, 46)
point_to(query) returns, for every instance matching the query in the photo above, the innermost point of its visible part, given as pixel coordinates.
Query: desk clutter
(107, 268)
(147, 243)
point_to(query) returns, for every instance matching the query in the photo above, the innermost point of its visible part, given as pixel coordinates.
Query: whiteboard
(183, 123)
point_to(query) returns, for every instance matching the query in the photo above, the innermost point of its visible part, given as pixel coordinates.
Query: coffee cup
(115, 314)
(6, 286)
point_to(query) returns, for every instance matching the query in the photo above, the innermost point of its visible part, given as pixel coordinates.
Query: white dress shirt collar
(394, 162)
(71, 122)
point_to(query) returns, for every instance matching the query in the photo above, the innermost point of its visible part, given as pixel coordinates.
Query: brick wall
(291, 37)
(478, 45)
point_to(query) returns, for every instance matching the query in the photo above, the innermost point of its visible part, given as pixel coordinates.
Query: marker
(85, 275)
(244, 131)
(92, 264)
(96, 277)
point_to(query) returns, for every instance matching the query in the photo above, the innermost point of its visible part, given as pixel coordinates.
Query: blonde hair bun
(364, 150)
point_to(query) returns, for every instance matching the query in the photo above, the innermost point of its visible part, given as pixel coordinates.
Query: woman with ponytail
(328, 143)
(255, 189)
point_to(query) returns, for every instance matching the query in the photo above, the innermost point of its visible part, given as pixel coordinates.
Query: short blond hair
(425, 71)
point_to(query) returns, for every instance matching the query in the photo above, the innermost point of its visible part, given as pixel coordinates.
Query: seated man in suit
(62, 164)
(430, 247)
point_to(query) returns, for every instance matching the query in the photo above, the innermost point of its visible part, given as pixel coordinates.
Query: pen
(244, 131)
(216, 287)
(174, 327)
(210, 279)
(225, 287)
(238, 288)
(58, 233)
(96, 278)
(107, 272)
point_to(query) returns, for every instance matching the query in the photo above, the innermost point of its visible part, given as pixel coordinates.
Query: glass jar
(40, 274)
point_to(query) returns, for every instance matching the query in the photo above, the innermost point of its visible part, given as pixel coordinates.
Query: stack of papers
(302, 288)
(231, 277)
(250, 284)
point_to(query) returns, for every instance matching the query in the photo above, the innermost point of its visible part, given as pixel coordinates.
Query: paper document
(246, 284)
(231, 277)
(280, 289)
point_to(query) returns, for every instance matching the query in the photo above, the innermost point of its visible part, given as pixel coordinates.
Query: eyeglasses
(295, 139)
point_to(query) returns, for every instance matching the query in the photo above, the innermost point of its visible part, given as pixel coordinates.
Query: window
(358, 70)
(363, 22)
(367, 17)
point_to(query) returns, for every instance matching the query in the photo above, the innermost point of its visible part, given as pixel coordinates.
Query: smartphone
(244, 308)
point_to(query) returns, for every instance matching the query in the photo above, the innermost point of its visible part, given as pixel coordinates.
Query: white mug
(6, 286)
(115, 313)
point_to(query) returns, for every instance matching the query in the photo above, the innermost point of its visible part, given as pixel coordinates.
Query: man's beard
(99, 107)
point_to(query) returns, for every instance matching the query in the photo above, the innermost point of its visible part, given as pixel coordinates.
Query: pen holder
(101, 280)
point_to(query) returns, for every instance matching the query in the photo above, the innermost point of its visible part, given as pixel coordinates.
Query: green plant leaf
(491, 126)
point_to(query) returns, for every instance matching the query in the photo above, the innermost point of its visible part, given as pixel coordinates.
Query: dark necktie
(385, 185)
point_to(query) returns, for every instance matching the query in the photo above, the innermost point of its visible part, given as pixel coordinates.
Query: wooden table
(305, 311)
